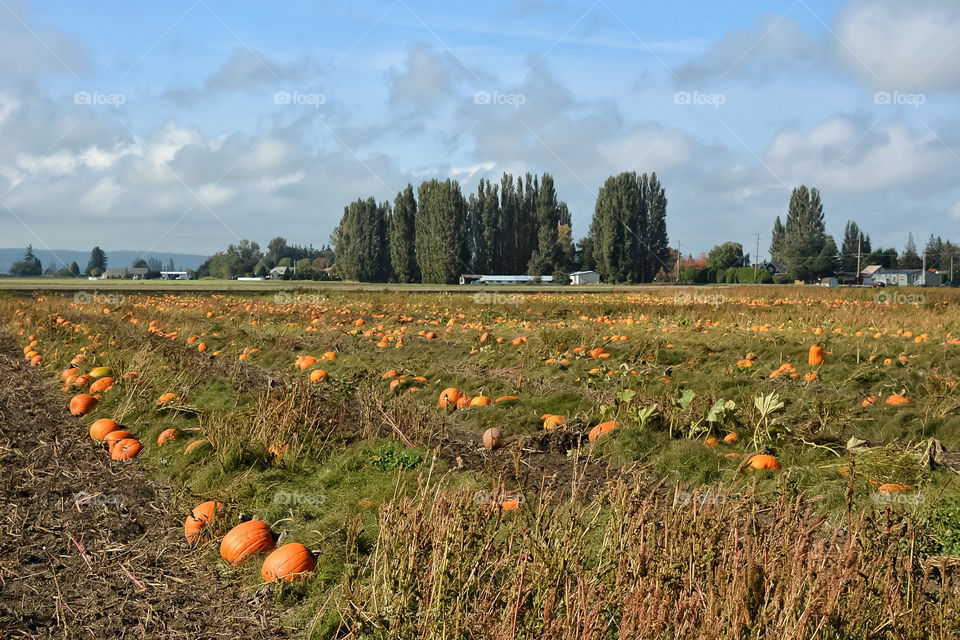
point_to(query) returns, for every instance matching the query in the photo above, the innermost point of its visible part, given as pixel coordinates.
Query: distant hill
(63, 257)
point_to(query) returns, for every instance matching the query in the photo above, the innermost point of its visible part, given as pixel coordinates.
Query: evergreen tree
(97, 262)
(628, 231)
(853, 240)
(403, 256)
(153, 264)
(585, 259)
(29, 265)
(777, 240)
(657, 243)
(933, 252)
(886, 258)
(361, 241)
(800, 247)
(139, 263)
(509, 220)
(74, 269)
(909, 259)
(439, 231)
(492, 229)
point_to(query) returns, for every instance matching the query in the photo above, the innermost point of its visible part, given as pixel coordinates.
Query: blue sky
(185, 125)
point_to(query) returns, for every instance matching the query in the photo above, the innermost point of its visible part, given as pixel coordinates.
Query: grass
(647, 533)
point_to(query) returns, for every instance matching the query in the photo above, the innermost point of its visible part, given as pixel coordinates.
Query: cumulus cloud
(854, 155)
(429, 76)
(902, 45)
(775, 45)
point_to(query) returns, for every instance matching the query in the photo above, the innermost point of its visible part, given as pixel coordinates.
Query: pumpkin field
(654, 462)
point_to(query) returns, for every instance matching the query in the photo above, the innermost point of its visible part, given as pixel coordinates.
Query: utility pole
(859, 238)
(756, 260)
(677, 266)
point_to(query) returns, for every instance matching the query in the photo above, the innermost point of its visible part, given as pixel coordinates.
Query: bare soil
(91, 548)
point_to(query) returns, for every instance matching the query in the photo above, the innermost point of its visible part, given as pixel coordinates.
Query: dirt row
(89, 547)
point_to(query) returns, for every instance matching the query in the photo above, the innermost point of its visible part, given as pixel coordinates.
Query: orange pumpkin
(305, 362)
(112, 438)
(815, 357)
(318, 375)
(126, 449)
(167, 435)
(193, 445)
(507, 399)
(82, 404)
(463, 401)
(551, 421)
(289, 562)
(449, 397)
(730, 438)
(100, 428)
(101, 385)
(602, 429)
(894, 488)
(762, 461)
(246, 539)
(202, 515)
(480, 401)
(897, 400)
(166, 398)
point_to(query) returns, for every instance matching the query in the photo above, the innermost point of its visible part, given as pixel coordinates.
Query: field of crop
(744, 462)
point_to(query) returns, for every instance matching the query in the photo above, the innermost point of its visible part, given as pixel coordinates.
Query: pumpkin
(68, 372)
(318, 375)
(712, 442)
(82, 404)
(492, 439)
(762, 461)
(897, 400)
(81, 381)
(193, 445)
(730, 438)
(202, 515)
(602, 429)
(463, 401)
(100, 428)
(551, 422)
(480, 401)
(126, 449)
(114, 437)
(165, 398)
(869, 401)
(103, 384)
(894, 488)
(507, 399)
(167, 435)
(99, 372)
(389, 374)
(305, 362)
(449, 397)
(289, 562)
(815, 357)
(246, 539)
(329, 355)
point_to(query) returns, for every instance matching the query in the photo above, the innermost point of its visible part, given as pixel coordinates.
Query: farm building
(174, 275)
(496, 279)
(900, 277)
(584, 277)
(136, 273)
(876, 274)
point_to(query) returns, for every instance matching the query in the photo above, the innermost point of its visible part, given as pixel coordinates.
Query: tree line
(801, 247)
(518, 225)
(246, 259)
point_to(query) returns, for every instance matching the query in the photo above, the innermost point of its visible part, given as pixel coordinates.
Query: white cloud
(912, 46)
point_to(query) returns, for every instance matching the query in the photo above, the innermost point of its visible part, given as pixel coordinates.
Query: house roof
(899, 271)
(580, 273)
(869, 271)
